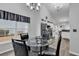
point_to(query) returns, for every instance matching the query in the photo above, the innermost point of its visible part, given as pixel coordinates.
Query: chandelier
(33, 6)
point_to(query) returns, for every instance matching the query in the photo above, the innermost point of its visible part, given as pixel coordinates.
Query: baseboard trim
(74, 53)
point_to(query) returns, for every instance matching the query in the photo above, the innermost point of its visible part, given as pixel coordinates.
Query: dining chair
(20, 47)
(57, 51)
(25, 37)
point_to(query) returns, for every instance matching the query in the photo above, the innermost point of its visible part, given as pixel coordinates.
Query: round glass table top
(40, 42)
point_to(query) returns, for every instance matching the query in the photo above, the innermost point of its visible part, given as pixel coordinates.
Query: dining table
(39, 42)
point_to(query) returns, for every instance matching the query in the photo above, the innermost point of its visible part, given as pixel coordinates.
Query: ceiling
(58, 14)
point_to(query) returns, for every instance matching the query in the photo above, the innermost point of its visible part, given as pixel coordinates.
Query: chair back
(59, 44)
(20, 47)
(24, 37)
(57, 50)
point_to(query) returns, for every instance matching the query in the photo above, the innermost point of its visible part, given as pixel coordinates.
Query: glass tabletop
(39, 42)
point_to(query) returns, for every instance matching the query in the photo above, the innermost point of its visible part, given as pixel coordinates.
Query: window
(12, 24)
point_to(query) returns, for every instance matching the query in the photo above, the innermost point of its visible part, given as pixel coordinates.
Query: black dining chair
(46, 53)
(20, 47)
(25, 37)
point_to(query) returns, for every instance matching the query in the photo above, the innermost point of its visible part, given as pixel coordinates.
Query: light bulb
(28, 4)
(31, 7)
(37, 8)
(38, 4)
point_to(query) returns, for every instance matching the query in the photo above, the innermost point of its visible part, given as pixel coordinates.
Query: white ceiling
(58, 14)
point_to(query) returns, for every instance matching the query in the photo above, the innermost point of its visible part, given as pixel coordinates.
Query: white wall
(74, 21)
